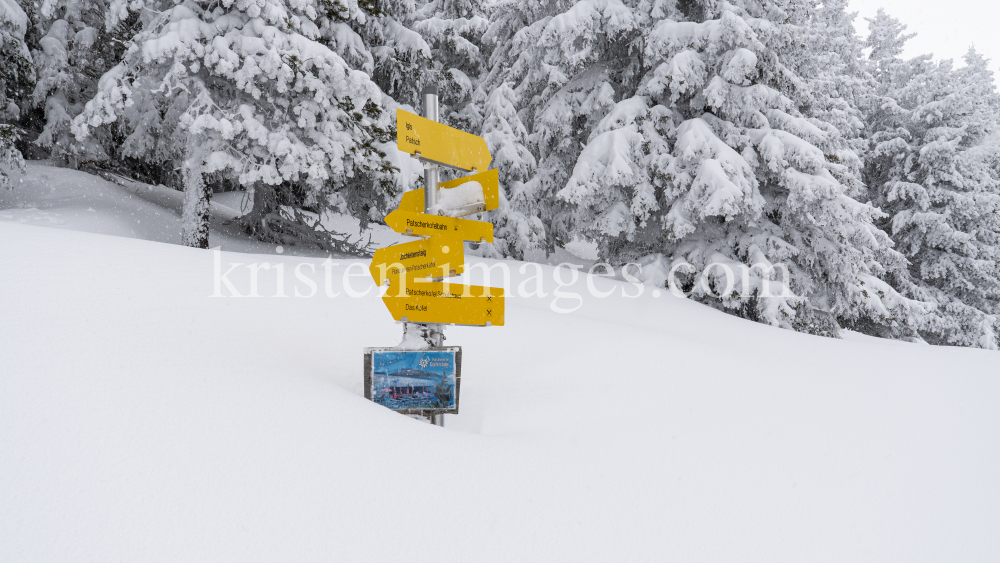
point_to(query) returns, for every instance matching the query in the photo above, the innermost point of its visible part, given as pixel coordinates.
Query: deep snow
(142, 419)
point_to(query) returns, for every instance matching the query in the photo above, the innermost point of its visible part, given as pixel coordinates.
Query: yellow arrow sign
(489, 181)
(435, 257)
(411, 223)
(436, 302)
(440, 144)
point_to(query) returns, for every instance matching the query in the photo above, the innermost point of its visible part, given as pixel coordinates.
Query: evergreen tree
(886, 39)
(673, 133)
(838, 83)
(454, 31)
(377, 38)
(373, 36)
(248, 94)
(517, 227)
(75, 50)
(934, 167)
(568, 64)
(16, 75)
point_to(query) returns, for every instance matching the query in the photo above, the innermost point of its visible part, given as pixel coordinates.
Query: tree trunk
(197, 197)
(264, 204)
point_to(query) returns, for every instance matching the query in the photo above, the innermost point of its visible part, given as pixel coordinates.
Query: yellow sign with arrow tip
(421, 224)
(468, 202)
(435, 257)
(436, 142)
(437, 302)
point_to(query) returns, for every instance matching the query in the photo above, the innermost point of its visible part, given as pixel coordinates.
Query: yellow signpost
(436, 257)
(436, 302)
(442, 255)
(414, 271)
(422, 224)
(421, 376)
(436, 142)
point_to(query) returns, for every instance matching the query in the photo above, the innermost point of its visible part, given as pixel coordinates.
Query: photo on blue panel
(414, 380)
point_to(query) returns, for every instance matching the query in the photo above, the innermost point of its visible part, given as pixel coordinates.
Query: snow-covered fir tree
(674, 132)
(838, 83)
(886, 39)
(517, 228)
(16, 74)
(454, 31)
(565, 67)
(75, 50)
(375, 37)
(933, 167)
(248, 94)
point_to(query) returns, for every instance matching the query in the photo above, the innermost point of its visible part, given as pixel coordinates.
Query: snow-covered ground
(142, 419)
(69, 199)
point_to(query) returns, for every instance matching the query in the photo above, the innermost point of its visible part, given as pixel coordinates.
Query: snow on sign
(436, 142)
(414, 381)
(460, 197)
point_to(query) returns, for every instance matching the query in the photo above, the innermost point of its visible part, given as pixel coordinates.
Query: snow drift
(142, 419)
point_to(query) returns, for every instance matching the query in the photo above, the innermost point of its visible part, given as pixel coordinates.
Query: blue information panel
(414, 381)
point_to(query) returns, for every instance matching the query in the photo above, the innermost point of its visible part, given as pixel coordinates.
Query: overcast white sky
(946, 29)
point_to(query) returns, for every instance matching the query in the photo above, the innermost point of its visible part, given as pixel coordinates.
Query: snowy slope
(142, 419)
(69, 199)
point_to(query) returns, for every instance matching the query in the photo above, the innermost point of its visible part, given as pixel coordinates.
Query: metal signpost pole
(432, 177)
(432, 173)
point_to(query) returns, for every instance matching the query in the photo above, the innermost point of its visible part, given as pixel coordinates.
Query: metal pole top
(431, 173)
